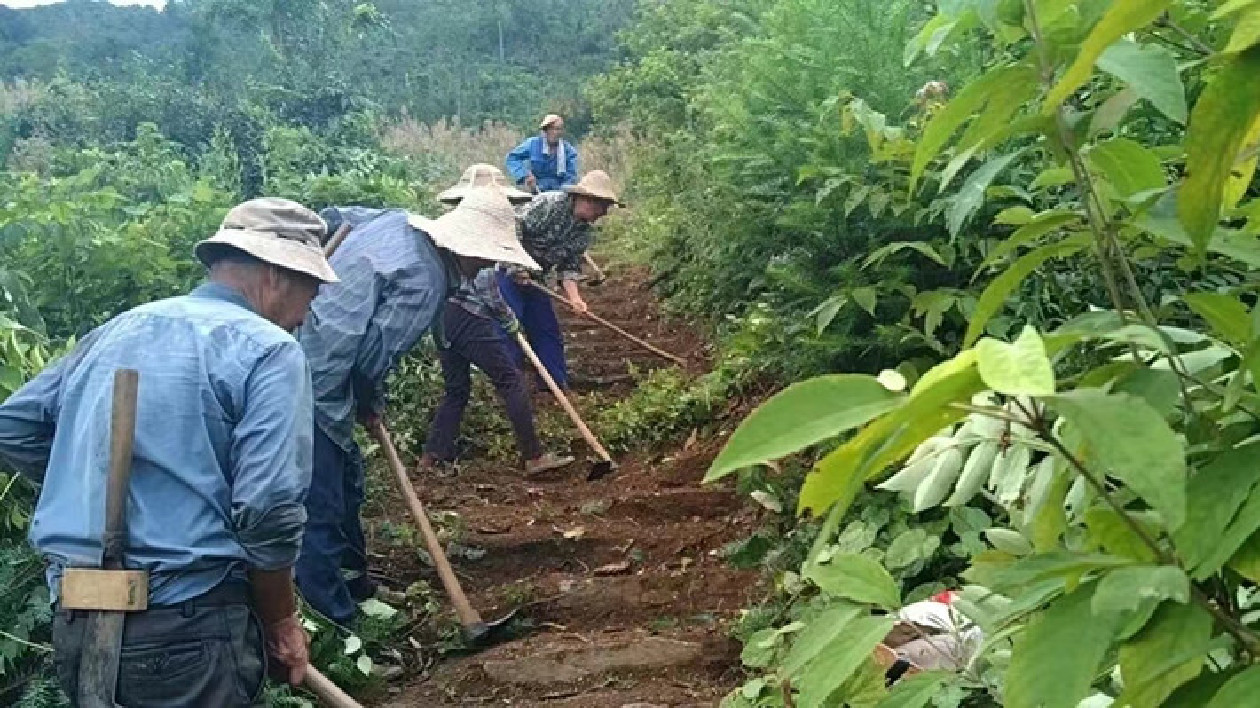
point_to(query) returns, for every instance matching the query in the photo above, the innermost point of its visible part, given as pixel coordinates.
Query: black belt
(229, 592)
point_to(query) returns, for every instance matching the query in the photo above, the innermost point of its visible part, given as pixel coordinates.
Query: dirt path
(629, 599)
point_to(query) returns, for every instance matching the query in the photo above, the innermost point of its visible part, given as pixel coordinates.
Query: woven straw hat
(482, 226)
(277, 231)
(597, 185)
(483, 175)
(550, 120)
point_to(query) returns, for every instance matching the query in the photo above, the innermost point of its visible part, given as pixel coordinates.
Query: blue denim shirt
(393, 283)
(223, 444)
(533, 156)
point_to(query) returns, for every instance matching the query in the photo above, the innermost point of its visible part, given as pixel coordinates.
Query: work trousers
(477, 341)
(538, 320)
(208, 651)
(334, 539)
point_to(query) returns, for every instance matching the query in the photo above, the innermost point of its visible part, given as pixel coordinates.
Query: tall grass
(17, 95)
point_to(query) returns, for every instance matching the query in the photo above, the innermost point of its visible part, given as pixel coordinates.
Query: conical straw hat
(597, 185)
(482, 175)
(482, 226)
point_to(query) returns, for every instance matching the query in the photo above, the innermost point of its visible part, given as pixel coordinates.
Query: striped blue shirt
(223, 445)
(393, 283)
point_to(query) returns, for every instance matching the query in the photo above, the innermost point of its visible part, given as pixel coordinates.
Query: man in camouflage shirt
(556, 229)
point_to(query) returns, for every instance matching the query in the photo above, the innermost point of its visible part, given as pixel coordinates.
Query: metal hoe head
(484, 634)
(600, 469)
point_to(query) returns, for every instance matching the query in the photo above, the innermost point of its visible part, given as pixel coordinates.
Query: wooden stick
(468, 616)
(329, 693)
(655, 350)
(600, 275)
(564, 401)
(340, 235)
(102, 649)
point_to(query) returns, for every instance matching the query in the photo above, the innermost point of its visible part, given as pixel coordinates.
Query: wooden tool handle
(340, 235)
(654, 349)
(122, 436)
(599, 272)
(329, 693)
(564, 401)
(468, 616)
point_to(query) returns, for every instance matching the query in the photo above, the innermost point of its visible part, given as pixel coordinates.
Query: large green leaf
(994, 296)
(965, 105)
(1021, 368)
(1035, 569)
(916, 691)
(1214, 495)
(1241, 690)
(1219, 124)
(1229, 318)
(820, 632)
(856, 577)
(1128, 167)
(1127, 439)
(833, 666)
(802, 415)
(1162, 222)
(1246, 33)
(1151, 71)
(1122, 17)
(971, 195)
(1029, 233)
(1055, 659)
(1124, 589)
(1166, 654)
(1243, 527)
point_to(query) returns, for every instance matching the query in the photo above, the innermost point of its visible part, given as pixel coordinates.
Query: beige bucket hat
(277, 231)
(550, 120)
(597, 185)
(483, 175)
(482, 226)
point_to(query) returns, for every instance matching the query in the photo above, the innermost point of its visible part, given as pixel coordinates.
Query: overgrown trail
(626, 591)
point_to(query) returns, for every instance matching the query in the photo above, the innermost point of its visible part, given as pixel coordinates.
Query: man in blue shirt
(221, 463)
(545, 162)
(396, 270)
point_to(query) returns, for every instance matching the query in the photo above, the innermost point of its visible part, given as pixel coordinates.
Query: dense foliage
(1084, 455)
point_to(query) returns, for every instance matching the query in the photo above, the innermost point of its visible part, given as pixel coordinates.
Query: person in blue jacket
(546, 162)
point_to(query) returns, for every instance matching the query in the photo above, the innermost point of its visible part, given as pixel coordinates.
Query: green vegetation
(1050, 261)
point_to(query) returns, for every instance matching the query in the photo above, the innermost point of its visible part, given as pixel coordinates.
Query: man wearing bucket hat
(221, 463)
(472, 338)
(556, 229)
(546, 162)
(396, 271)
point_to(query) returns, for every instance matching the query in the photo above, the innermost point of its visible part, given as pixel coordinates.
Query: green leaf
(1055, 659)
(1246, 33)
(1122, 17)
(856, 577)
(994, 296)
(1038, 226)
(885, 251)
(1021, 368)
(1124, 589)
(1214, 495)
(916, 691)
(866, 298)
(820, 633)
(1127, 439)
(760, 649)
(1035, 569)
(353, 645)
(802, 415)
(1228, 317)
(376, 609)
(966, 104)
(1108, 116)
(1053, 177)
(364, 665)
(971, 195)
(1151, 71)
(832, 667)
(1015, 216)
(1222, 117)
(1162, 221)
(1238, 691)
(827, 311)
(1166, 654)
(1110, 531)
(1127, 166)
(1197, 693)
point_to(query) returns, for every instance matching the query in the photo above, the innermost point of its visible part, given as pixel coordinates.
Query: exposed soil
(626, 600)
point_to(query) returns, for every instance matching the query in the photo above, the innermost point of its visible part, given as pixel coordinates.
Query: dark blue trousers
(334, 533)
(538, 320)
